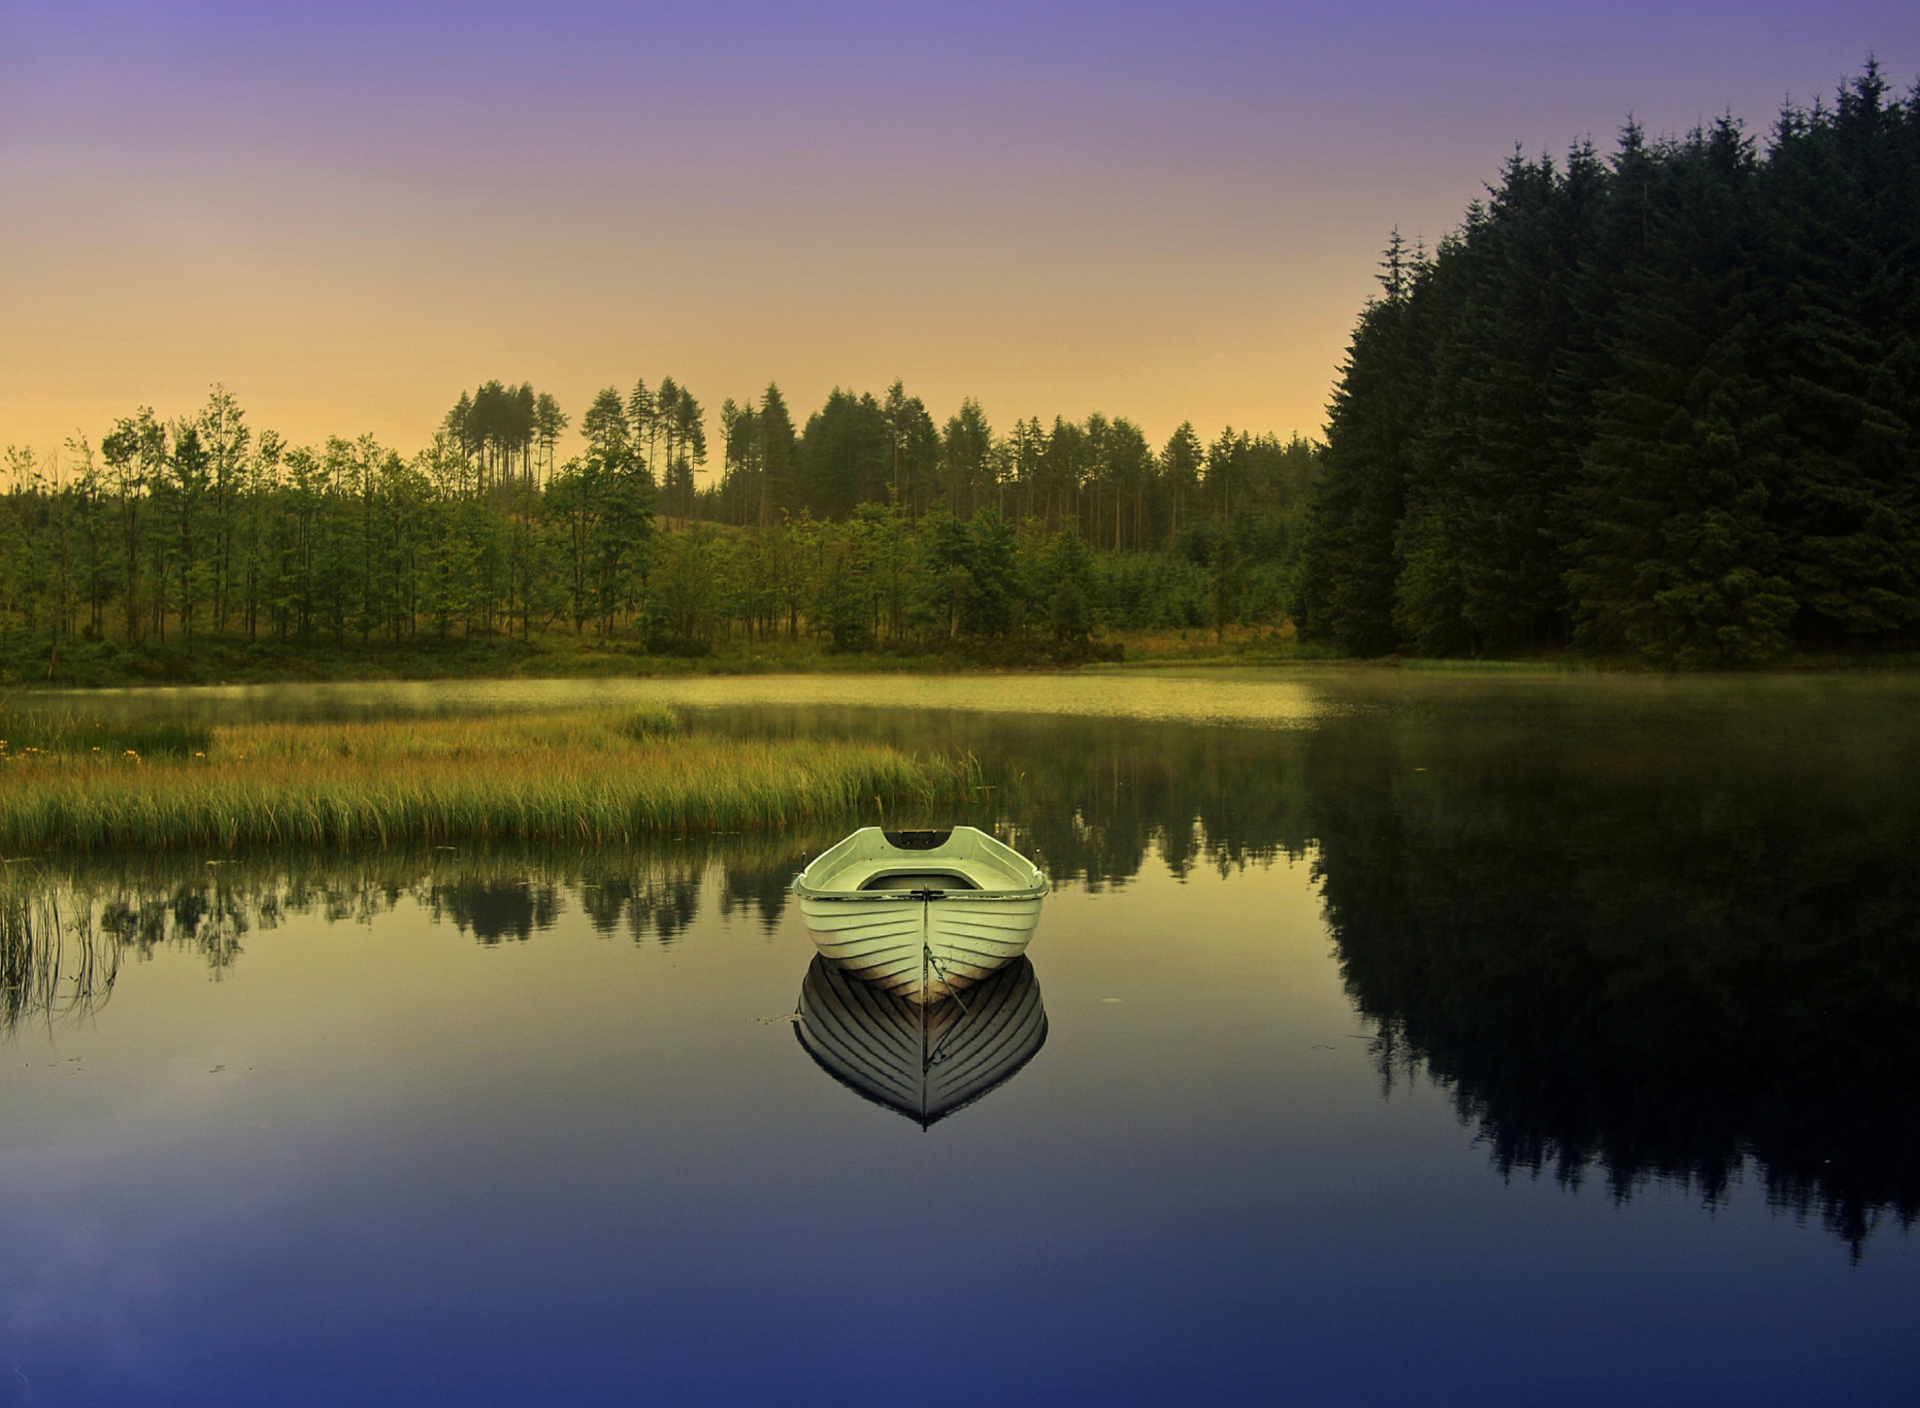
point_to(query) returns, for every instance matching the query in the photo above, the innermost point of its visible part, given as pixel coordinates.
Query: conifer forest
(1664, 403)
(1659, 404)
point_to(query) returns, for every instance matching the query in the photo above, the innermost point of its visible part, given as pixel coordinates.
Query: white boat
(923, 1060)
(922, 914)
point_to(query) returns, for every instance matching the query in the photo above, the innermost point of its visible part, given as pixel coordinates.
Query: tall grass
(579, 776)
(80, 732)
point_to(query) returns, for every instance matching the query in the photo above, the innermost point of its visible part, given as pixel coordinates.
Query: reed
(26, 731)
(594, 777)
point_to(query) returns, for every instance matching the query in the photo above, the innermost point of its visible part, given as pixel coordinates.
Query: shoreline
(234, 662)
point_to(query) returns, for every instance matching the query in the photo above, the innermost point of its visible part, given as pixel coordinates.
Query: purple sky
(348, 212)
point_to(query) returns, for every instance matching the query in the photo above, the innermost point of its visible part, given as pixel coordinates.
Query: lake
(1491, 1039)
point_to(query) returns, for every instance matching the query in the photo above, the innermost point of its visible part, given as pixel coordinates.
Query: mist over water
(1564, 1025)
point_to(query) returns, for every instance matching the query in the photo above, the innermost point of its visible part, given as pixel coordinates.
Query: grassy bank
(554, 655)
(562, 655)
(581, 776)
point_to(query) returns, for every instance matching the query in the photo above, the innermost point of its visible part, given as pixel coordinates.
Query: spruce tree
(1349, 566)
(1844, 359)
(1678, 556)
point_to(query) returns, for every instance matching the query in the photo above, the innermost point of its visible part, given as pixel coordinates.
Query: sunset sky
(349, 212)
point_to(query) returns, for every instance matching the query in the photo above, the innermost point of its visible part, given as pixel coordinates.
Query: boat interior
(919, 878)
(873, 860)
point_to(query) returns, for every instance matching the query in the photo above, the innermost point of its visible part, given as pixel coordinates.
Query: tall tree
(549, 424)
(966, 446)
(778, 451)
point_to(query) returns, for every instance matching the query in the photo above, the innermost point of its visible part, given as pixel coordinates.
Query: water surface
(1491, 1041)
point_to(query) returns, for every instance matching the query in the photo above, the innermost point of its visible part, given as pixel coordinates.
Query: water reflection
(68, 926)
(1634, 941)
(921, 1061)
(1638, 981)
(495, 910)
(1638, 936)
(54, 964)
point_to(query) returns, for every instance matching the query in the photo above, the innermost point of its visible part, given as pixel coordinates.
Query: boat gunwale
(930, 894)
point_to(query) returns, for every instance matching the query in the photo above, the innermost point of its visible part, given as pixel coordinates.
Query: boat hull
(921, 914)
(923, 950)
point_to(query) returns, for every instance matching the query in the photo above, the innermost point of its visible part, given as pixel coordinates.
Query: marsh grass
(25, 731)
(580, 776)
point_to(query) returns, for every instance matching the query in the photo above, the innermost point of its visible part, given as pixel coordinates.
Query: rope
(953, 993)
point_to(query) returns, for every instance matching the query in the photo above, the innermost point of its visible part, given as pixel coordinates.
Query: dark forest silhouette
(1666, 403)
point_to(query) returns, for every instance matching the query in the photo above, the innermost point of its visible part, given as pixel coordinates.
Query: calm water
(1491, 1041)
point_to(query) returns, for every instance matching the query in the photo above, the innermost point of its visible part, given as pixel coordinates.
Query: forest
(1661, 405)
(1657, 406)
(867, 529)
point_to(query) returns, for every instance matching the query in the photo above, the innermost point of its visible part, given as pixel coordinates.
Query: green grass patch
(583, 776)
(551, 655)
(650, 722)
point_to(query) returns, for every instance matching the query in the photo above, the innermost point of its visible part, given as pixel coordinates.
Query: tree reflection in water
(1648, 973)
(107, 909)
(1639, 933)
(1671, 944)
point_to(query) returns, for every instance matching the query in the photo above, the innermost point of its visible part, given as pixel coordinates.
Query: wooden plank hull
(922, 1060)
(878, 941)
(921, 950)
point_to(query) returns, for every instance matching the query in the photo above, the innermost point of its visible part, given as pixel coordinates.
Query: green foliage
(194, 544)
(686, 591)
(1663, 404)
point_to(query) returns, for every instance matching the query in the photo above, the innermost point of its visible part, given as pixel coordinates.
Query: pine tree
(605, 426)
(1844, 355)
(778, 450)
(1345, 585)
(1678, 557)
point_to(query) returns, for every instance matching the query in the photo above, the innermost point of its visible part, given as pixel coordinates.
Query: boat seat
(918, 878)
(905, 874)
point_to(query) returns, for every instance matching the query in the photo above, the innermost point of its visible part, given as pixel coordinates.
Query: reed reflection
(68, 926)
(924, 1061)
(54, 964)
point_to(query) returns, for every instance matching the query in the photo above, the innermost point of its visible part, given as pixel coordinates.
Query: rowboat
(923, 1060)
(921, 914)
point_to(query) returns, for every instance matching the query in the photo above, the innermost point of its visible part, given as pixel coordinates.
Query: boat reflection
(924, 1062)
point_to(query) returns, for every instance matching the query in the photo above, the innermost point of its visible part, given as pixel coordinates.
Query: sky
(347, 213)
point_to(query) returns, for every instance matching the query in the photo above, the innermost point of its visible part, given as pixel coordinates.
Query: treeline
(1101, 477)
(178, 533)
(1662, 403)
